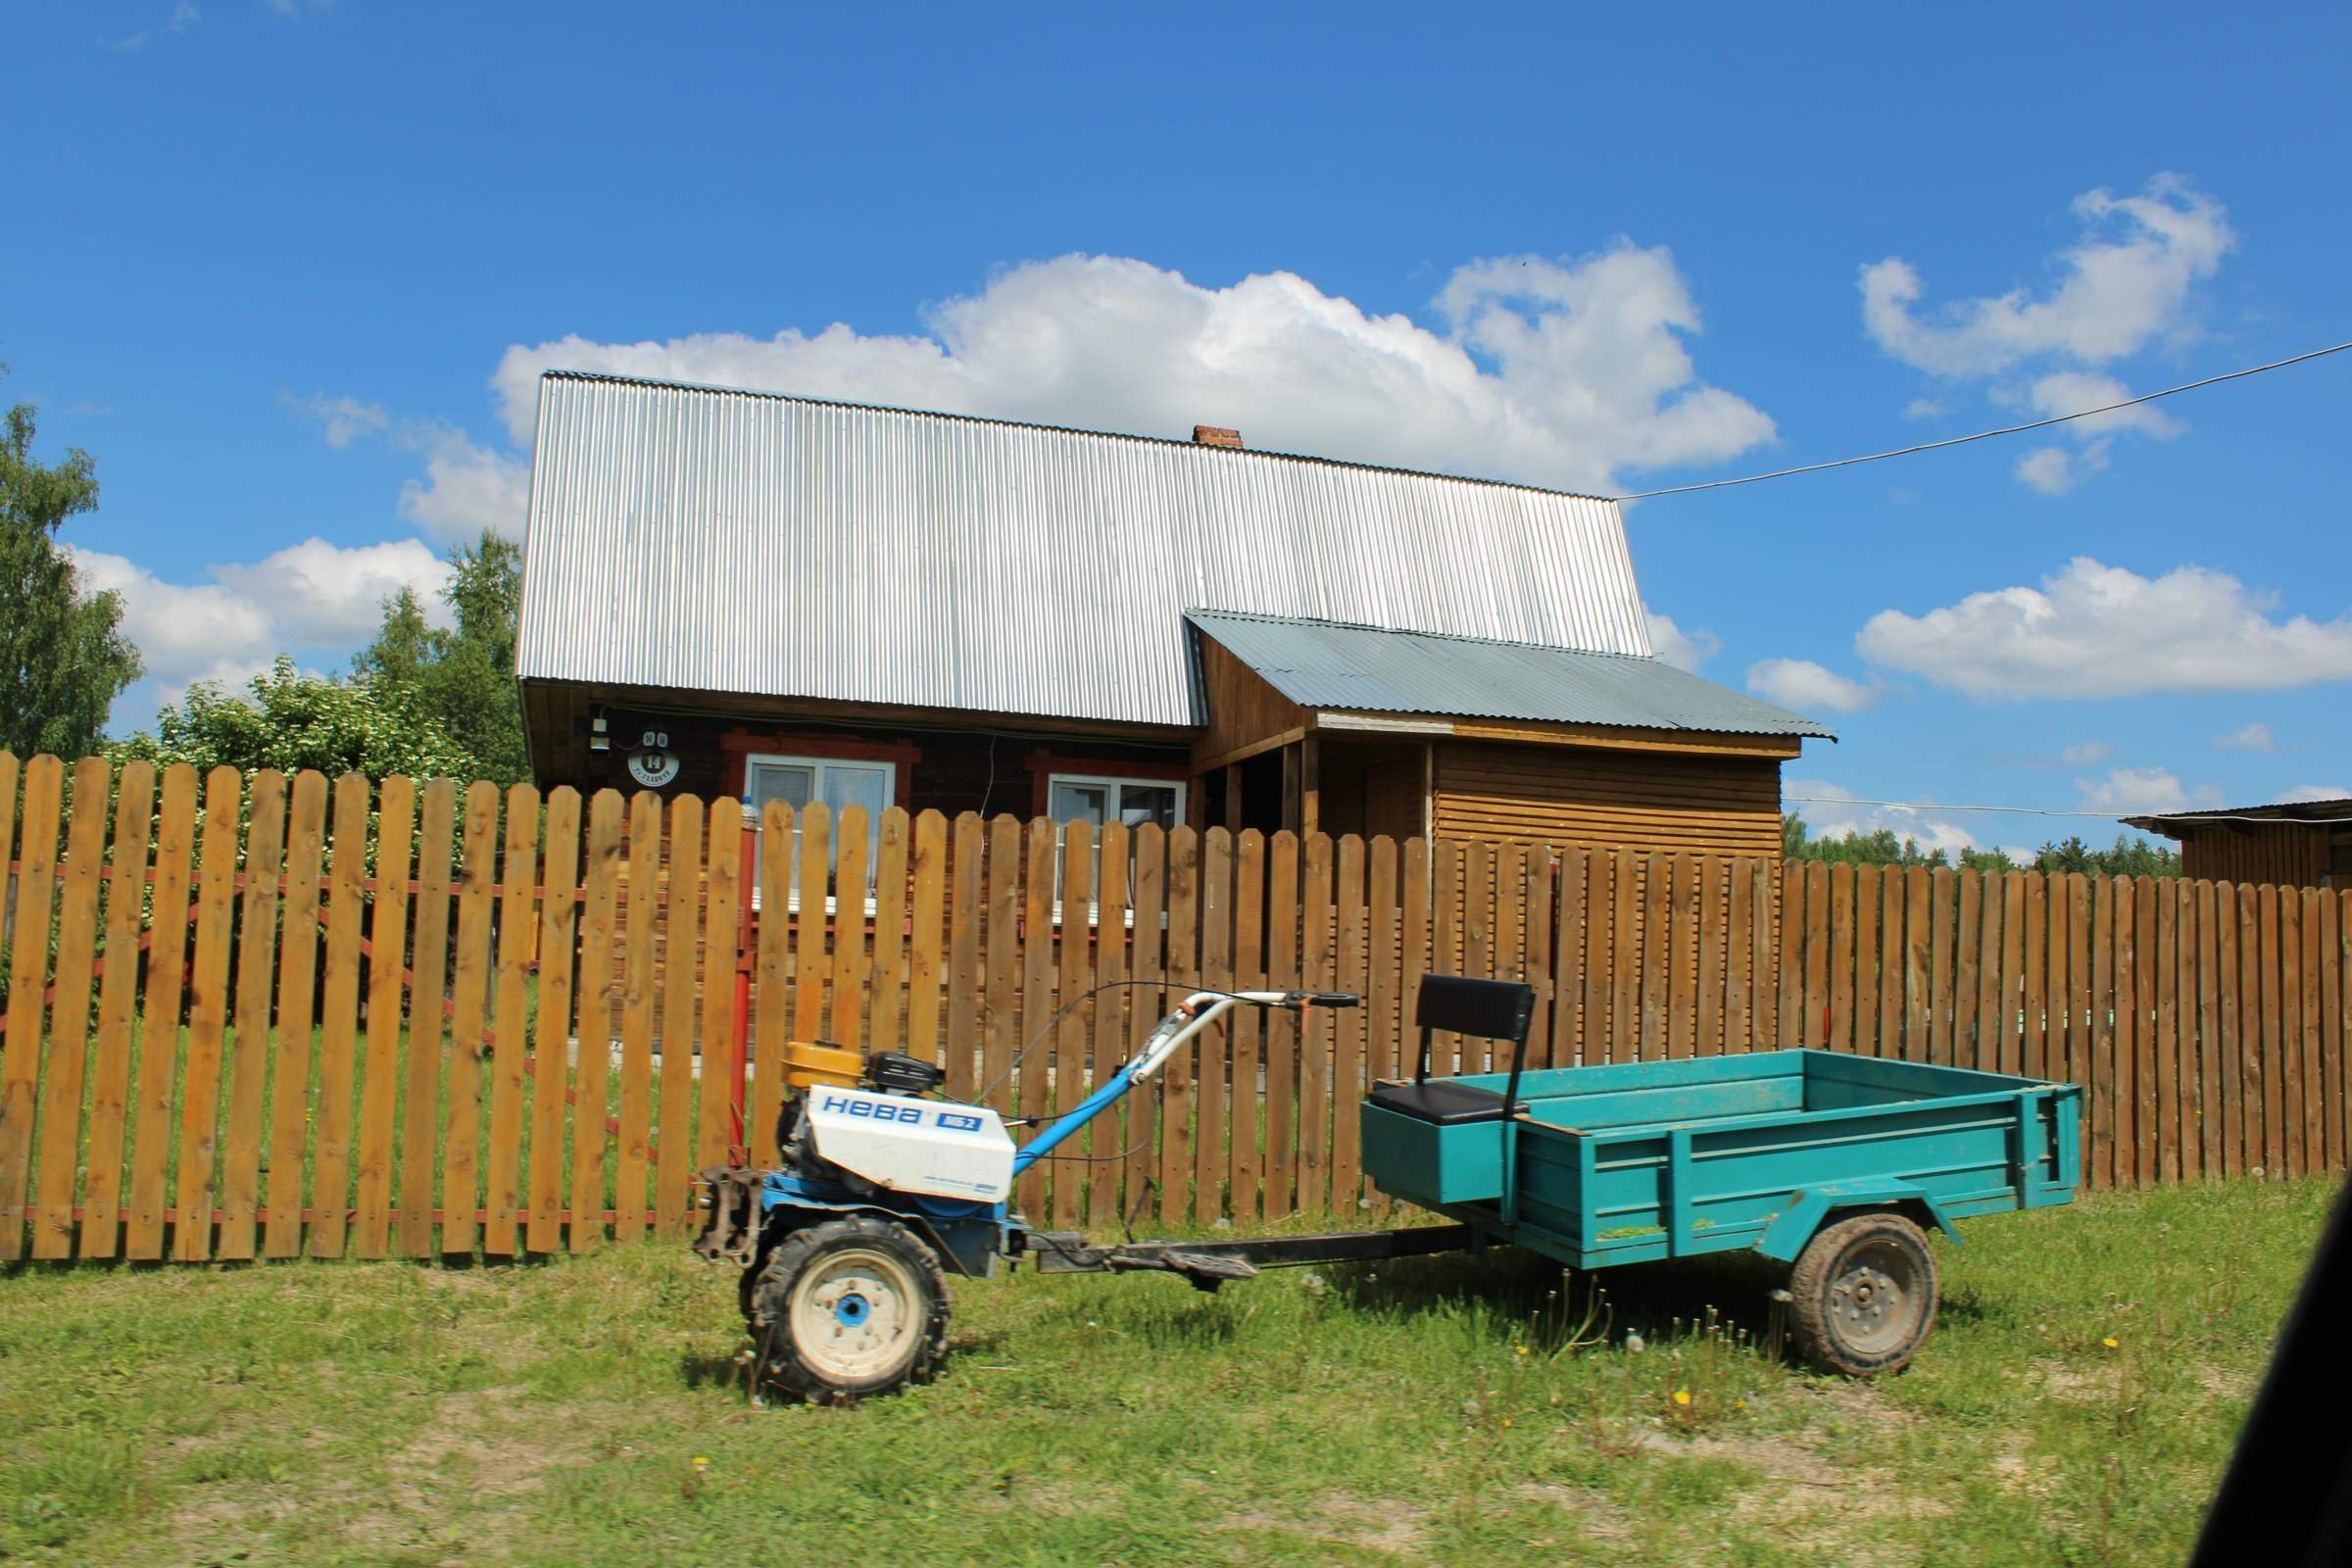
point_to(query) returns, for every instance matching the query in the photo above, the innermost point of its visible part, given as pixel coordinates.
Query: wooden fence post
(118, 1009)
(420, 1098)
(57, 1174)
(387, 953)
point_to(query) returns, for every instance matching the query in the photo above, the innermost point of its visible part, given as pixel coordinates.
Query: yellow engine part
(814, 1065)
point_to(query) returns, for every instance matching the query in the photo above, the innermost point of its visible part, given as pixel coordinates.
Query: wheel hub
(1872, 1300)
(1866, 1297)
(856, 1313)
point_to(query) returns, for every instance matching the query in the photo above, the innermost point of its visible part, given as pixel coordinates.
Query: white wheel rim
(856, 1313)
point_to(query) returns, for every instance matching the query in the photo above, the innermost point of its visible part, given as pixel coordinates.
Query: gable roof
(1322, 665)
(717, 540)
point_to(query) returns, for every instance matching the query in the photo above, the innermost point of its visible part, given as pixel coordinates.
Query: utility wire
(1986, 435)
(2037, 810)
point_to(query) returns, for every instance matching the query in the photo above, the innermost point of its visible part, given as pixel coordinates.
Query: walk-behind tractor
(1832, 1164)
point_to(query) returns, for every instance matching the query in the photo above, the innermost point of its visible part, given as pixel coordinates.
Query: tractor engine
(880, 1136)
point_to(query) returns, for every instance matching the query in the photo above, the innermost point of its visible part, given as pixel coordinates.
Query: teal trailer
(1834, 1165)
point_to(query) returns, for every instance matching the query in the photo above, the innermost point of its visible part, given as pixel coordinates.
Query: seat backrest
(1487, 1009)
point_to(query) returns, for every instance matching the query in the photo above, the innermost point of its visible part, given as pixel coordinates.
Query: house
(747, 594)
(2301, 843)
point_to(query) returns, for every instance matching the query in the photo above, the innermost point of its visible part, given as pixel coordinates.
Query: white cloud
(181, 629)
(320, 594)
(2073, 391)
(1831, 811)
(2095, 630)
(2143, 789)
(1559, 373)
(344, 419)
(2130, 279)
(185, 15)
(311, 597)
(2054, 470)
(2303, 793)
(1684, 649)
(466, 489)
(2254, 737)
(2085, 755)
(1923, 409)
(1803, 685)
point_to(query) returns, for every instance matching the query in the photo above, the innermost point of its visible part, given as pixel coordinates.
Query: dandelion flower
(699, 1462)
(1682, 1395)
(2109, 1341)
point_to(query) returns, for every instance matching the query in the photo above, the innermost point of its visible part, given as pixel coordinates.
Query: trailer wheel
(847, 1310)
(1863, 1294)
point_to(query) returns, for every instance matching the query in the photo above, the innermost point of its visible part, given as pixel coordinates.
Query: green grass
(1430, 1410)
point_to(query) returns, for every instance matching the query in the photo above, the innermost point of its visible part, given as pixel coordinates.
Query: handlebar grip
(1327, 999)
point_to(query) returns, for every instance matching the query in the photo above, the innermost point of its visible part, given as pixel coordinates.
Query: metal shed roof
(2309, 813)
(1323, 665)
(720, 540)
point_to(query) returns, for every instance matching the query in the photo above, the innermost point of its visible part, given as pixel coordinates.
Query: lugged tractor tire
(1863, 1295)
(850, 1309)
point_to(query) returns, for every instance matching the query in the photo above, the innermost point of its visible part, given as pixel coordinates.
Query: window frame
(1118, 783)
(818, 765)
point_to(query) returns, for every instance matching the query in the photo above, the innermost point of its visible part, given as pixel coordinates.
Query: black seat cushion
(1442, 1101)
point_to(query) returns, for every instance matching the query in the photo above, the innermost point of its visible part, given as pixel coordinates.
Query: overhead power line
(1986, 435)
(2037, 810)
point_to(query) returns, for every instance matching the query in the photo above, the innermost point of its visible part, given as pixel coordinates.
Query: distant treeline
(2130, 856)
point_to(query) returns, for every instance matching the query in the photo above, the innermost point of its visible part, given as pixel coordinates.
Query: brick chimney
(1214, 435)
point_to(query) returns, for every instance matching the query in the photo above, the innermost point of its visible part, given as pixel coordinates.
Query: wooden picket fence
(320, 1017)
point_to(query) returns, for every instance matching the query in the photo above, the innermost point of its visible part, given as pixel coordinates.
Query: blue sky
(287, 270)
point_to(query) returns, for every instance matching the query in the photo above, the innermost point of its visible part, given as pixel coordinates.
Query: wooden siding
(2289, 854)
(1607, 799)
(1243, 711)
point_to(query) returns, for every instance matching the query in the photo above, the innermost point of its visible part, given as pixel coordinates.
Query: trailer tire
(849, 1309)
(1863, 1294)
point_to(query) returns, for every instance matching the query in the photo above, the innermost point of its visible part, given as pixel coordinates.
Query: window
(1084, 798)
(1100, 800)
(798, 780)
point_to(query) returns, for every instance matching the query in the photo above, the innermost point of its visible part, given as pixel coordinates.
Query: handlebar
(1193, 1014)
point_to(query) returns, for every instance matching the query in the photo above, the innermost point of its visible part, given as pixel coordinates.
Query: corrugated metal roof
(730, 541)
(2315, 814)
(1318, 664)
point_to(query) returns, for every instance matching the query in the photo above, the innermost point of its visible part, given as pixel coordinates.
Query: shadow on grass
(976, 1341)
(1518, 1286)
(717, 1369)
(1965, 1303)
(1191, 1321)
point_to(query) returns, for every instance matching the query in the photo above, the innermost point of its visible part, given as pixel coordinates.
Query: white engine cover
(913, 1146)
